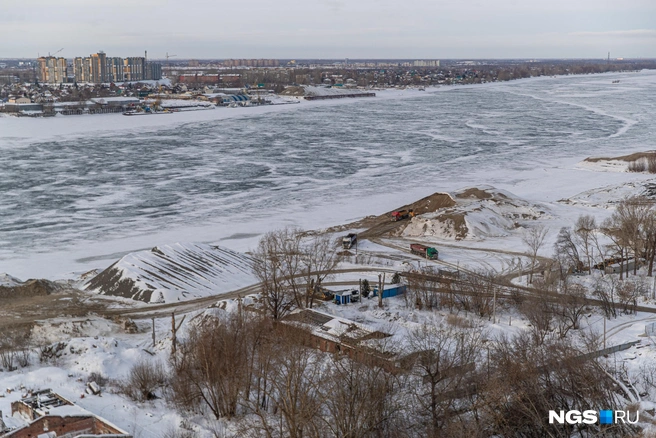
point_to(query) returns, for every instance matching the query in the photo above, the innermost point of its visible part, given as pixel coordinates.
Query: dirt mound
(473, 212)
(479, 213)
(429, 204)
(31, 288)
(383, 226)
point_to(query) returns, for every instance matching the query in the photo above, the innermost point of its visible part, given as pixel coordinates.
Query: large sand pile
(477, 213)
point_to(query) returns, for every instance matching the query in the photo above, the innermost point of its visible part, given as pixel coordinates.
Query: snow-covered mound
(8, 280)
(478, 213)
(177, 272)
(609, 196)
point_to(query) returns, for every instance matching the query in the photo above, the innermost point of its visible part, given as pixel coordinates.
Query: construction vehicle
(424, 251)
(349, 240)
(402, 214)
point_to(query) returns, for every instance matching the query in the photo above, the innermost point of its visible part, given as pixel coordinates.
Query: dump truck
(424, 251)
(402, 214)
(349, 240)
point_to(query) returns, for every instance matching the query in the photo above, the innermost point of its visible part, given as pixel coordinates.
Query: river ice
(77, 192)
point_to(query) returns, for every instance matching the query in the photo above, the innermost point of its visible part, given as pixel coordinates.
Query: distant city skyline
(334, 29)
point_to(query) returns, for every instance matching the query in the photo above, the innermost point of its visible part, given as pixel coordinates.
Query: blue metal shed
(343, 297)
(391, 291)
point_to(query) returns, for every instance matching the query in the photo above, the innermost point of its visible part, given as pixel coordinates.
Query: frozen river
(78, 191)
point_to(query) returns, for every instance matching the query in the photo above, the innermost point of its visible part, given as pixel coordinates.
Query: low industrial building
(333, 334)
(51, 415)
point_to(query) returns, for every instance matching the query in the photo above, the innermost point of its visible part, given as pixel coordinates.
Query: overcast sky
(435, 29)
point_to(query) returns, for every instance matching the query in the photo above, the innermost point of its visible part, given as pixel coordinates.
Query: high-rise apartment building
(51, 70)
(99, 67)
(115, 70)
(422, 63)
(82, 69)
(133, 68)
(153, 71)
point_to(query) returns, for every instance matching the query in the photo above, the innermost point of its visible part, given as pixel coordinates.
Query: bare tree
(423, 290)
(290, 386)
(584, 234)
(533, 238)
(566, 252)
(650, 241)
(319, 260)
(628, 230)
(143, 380)
(570, 307)
(443, 359)
(605, 289)
(292, 268)
(529, 379)
(540, 311)
(214, 367)
(360, 400)
(277, 266)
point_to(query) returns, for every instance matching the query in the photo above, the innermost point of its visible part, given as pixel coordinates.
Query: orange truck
(402, 214)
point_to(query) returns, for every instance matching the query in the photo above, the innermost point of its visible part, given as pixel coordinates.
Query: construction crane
(168, 64)
(49, 55)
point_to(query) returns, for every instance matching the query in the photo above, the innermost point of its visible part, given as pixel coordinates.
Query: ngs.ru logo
(591, 417)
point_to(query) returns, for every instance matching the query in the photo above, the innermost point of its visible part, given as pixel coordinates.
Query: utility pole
(381, 286)
(153, 332)
(604, 332)
(174, 331)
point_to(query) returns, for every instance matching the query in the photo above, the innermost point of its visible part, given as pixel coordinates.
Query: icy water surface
(116, 181)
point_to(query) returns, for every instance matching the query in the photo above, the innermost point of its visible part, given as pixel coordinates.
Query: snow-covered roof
(331, 327)
(115, 99)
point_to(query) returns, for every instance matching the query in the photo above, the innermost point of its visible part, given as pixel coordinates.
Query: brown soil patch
(429, 204)
(24, 309)
(31, 288)
(459, 224)
(628, 158)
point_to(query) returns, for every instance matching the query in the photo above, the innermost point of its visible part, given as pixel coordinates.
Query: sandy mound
(477, 213)
(175, 272)
(383, 226)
